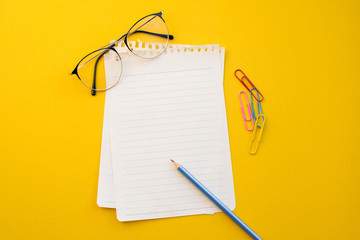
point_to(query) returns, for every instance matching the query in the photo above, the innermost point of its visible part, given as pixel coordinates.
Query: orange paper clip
(259, 127)
(244, 79)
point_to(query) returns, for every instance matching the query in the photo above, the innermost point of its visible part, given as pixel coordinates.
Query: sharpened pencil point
(175, 164)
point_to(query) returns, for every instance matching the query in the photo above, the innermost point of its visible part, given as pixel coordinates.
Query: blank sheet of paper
(169, 107)
(106, 194)
(106, 191)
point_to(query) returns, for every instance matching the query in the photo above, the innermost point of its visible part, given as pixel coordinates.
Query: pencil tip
(175, 164)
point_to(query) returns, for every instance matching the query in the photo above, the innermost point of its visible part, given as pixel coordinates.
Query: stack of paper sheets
(169, 107)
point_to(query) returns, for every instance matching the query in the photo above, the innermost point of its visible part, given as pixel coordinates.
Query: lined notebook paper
(168, 107)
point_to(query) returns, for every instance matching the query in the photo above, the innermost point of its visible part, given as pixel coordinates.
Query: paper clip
(251, 84)
(259, 108)
(249, 111)
(253, 145)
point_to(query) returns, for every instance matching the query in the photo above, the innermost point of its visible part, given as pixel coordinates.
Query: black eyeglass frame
(110, 47)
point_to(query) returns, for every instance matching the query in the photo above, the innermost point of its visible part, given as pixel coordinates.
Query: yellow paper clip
(259, 127)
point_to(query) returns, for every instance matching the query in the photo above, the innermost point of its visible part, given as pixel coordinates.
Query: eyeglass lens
(150, 29)
(94, 64)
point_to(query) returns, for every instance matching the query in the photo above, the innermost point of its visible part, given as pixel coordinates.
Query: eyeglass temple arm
(171, 37)
(93, 91)
(156, 34)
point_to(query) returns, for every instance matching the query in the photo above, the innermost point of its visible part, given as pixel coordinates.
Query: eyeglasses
(151, 28)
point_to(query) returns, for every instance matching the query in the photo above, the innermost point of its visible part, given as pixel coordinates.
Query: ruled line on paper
(174, 110)
(164, 170)
(162, 163)
(184, 209)
(147, 178)
(211, 183)
(141, 99)
(193, 101)
(175, 71)
(158, 75)
(182, 129)
(170, 137)
(172, 141)
(193, 109)
(158, 194)
(149, 164)
(164, 77)
(158, 173)
(129, 90)
(181, 195)
(153, 81)
(165, 145)
(168, 123)
(177, 192)
(150, 95)
(206, 202)
(161, 88)
(197, 162)
(174, 149)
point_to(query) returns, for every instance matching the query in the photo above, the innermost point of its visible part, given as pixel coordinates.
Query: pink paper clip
(244, 77)
(250, 119)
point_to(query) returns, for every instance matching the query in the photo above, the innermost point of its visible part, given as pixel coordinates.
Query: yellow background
(303, 56)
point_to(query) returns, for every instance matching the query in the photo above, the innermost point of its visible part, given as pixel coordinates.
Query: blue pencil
(215, 200)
